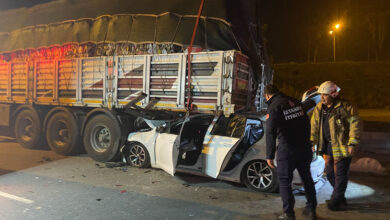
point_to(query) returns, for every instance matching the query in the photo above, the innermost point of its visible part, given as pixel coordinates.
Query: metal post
(334, 47)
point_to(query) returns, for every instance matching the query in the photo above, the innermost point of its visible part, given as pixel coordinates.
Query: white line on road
(20, 199)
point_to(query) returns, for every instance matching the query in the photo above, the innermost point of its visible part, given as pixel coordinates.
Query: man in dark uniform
(287, 122)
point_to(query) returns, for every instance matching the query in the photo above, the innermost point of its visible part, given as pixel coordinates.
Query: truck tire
(28, 129)
(62, 134)
(102, 138)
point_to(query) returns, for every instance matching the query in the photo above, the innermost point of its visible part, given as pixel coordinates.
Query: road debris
(114, 164)
(99, 166)
(213, 197)
(45, 159)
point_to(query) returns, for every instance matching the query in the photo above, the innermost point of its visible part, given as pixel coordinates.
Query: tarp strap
(235, 39)
(189, 56)
(205, 33)
(177, 29)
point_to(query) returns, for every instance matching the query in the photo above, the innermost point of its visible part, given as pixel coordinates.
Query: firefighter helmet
(329, 88)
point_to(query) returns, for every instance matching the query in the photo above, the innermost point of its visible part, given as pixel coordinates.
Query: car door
(167, 152)
(217, 145)
(167, 146)
(191, 138)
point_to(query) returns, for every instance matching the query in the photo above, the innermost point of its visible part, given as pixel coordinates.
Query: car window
(175, 127)
(234, 126)
(220, 127)
(199, 121)
(253, 131)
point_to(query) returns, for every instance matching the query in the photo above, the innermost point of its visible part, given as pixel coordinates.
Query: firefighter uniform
(333, 129)
(287, 122)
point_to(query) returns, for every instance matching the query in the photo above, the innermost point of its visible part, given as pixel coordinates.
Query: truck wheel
(28, 129)
(102, 138)
(257, 175)
(62, 134)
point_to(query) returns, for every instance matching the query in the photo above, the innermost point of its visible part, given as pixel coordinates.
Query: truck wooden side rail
(69, 103)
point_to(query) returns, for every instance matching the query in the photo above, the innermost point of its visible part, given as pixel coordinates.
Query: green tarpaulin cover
(147, 21)
(224, 25)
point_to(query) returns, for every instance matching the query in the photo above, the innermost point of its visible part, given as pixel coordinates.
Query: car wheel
(138, 156)
(257, 175)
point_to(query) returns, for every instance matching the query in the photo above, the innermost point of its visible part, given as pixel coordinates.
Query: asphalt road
(38, 184)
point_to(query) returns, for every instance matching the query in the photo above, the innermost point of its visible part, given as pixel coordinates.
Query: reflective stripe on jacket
(344, 126)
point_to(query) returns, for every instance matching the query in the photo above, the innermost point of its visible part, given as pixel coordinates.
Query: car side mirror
(310, 99)
(161, 128)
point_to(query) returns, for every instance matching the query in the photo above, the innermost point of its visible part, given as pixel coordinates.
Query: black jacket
(287, 121)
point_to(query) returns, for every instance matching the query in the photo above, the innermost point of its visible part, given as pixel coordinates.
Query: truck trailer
(68, 83)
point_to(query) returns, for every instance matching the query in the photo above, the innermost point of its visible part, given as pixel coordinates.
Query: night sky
(298, 30)
(11, 4)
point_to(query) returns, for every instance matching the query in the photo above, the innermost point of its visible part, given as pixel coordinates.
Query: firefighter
(335, 129)
(287, 122)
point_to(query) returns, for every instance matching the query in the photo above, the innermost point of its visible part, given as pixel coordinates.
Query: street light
(332, 32)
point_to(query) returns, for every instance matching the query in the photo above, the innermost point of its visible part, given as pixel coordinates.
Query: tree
(377, 27)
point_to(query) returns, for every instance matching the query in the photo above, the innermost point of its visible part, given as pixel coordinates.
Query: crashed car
(227, 148)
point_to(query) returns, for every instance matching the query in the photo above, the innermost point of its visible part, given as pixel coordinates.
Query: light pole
(331, 32)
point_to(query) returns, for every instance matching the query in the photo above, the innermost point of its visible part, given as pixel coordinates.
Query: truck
(68, 84)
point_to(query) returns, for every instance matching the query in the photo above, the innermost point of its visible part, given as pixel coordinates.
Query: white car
(227, 148)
